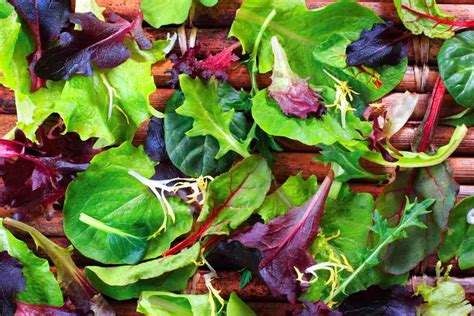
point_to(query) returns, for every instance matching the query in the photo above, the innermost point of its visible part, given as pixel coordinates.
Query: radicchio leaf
(217, 66)
(12, 282)
(46, 19)
(292, 93)
(284, 243)
(383, 44)
(35, 176)
(97, 41)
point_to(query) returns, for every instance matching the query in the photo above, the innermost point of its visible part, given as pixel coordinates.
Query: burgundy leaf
(24, 309)
(318, 309)
(378, 140)
(12, 282)
(383, 44)
(35, 176)
(217, 66)
(46, 19)
(98, 41)
(284, 243)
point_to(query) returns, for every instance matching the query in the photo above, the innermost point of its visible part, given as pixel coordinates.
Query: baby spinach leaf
(12, 282)
(310, 131)
(41, 286)
(459, 237)
(201, 104)
(110, 215)
(455, 60)
(195, 156)
(293, 193)
(164, 274)
(433, 182)
(316, 43)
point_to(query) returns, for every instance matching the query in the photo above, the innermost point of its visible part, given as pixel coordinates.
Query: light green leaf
(164, 274)
(41, 285)
(163, 12)
(201, 104)
(421, 25)
(456, 67)
(209, 3)
(311, 131)
(314, 42)
(293, 193)
(237, 307)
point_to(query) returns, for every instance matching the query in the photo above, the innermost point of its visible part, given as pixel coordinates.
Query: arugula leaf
(458, 239)
(164, 274)
(195, 156)
(284, 243)
(232, 198)
(201, 104)
(76, 287)
(316, 43)
(311, 131)
(293, 193)
(433, 182)
(41, 286)
(12, 282)
(455, 60)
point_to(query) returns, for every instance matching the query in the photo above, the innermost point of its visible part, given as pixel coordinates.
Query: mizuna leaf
(73, 282)
(284, 243)
(12, 282)
(46, 19)
(41, 286)
(232, 198)
(383, 44)
(97, 41)
(201, 104)
(455, 60)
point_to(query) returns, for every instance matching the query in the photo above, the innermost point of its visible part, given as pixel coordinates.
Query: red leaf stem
(467, 24)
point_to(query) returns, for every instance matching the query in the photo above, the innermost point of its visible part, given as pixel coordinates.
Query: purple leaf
(12, 282)
(35, 176)
(383, 44)
(46, 19)
(284, 243)
(318, 309)
(24, 309)
(99, 42)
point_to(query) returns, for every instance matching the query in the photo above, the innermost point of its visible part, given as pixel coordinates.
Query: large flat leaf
(455, 61)
(165, 274)
(314, 40)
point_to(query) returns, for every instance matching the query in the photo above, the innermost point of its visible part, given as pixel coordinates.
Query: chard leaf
(458, 239)
(164, 274)
(201, 104)
(284, 243)
(195, 156)
(84, 297)
(316, 43)
(293, 193)
(12, 282)
(419, 24)
(40, 284)
(455, 60)
(433, 182)
(311, 131)
(232, 198)
(111, 221)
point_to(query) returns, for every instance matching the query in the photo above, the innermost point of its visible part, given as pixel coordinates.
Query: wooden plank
(239, 77)
(7, 122)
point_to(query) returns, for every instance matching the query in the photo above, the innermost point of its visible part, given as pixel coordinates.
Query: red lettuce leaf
(383, 44)
(24, 309)
(46, 19)
(284, 243)
(35, 176)
(12, 282)
(98, 41)
(318, 309)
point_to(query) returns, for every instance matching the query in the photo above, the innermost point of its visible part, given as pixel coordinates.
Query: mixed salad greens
(201, 192)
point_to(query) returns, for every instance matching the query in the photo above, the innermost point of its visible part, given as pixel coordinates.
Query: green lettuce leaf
(41, 285)
(316, 42)
(201, 104)
(459, 238)
(109, 215)
(455, 60)
(169, 273)
(422, 25)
